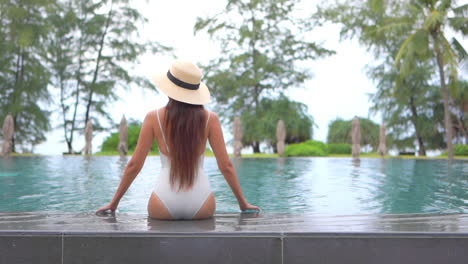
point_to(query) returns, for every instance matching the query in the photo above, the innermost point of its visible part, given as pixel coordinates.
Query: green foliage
(339, 148)
(418, 31)
(460, 110)
(309, 148)
(403, 107)
(318, 144)
(23, 73)
(461, 150)
(111, 143)
(81, 51)
(299, 124)
(262, 43)
(339, 131)
(92, 46)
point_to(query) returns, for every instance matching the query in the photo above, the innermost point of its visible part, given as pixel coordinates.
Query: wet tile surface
(233, 238)
(122, 222)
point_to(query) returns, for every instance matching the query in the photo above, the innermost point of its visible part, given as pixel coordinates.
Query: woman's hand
(248, 206)
(110, 207)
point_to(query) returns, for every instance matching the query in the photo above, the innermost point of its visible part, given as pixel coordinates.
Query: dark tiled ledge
(42, 237)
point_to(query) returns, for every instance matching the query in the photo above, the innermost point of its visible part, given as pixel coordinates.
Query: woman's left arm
(145, 141)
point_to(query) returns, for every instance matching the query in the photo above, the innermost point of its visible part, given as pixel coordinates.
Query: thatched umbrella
(280, 137)
(382, 150)
(8, 133)
(237, 127)
(123, 137)
(356, 137)
(88, 137)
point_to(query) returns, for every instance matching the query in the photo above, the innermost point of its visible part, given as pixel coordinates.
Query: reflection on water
(338, 186)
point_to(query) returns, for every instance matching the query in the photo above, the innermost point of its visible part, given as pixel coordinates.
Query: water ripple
(338, 186)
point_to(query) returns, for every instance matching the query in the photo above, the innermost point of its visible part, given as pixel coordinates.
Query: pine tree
(24, 76)
(262, 43)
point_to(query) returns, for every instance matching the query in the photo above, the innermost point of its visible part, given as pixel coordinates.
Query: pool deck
(53, 237)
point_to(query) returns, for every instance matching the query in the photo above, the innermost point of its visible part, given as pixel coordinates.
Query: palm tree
(428, 21)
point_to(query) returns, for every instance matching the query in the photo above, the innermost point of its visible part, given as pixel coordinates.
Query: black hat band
(181, 83)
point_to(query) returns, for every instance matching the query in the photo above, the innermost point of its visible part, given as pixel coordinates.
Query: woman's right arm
(216, 139)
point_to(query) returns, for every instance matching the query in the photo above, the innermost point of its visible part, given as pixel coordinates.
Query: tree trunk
(253, 41)
(13, 139)
(445, 95)
(70, 148)
(15, 93)
(96, 70)
(414, 119)
(462, 128)
(256, 147)
(77, 94)
(64, 117)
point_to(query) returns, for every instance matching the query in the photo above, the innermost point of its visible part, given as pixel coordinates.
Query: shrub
(339, 148)
(318, 144)
(461, 150)
(309, 148)
(111, 143)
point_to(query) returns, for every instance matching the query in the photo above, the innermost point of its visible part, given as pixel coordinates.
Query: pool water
(337, 186)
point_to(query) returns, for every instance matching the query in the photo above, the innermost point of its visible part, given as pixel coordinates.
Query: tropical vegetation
(339, 132)
(419, 28)
(262, 46)
(111, 143)
(65, 61)
(77, 52)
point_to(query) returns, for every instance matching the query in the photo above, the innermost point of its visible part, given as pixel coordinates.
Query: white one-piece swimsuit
(183, 204)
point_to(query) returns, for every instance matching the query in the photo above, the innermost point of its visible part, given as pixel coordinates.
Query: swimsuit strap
(208, 119)
(162, 130)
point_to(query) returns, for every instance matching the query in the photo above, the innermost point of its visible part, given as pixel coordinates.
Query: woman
(182, 190)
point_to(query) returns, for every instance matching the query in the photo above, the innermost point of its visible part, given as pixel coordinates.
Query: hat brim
(197, 97)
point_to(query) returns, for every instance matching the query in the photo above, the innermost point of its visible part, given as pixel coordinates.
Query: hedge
(111, 143)
(461, 150)
(309, 148)
(339, 148)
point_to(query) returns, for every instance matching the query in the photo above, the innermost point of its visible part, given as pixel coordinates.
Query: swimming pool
(337, 186)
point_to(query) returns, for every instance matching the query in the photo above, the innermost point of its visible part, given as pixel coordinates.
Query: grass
(23, 154)
(362, 155)
(130, 153)
(258, 155)
(116, 153)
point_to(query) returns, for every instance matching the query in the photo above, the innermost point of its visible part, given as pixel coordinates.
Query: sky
(339, 86)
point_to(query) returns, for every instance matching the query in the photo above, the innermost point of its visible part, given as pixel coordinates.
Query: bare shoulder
(212, 114)
(213, 118)
(151, 116)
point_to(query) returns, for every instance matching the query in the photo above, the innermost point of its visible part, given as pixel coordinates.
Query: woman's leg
(157, 209)
(208, 208)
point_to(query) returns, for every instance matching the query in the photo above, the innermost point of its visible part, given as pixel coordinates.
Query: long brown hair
(185, 130)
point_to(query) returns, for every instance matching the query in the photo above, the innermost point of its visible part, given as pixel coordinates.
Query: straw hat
(183, 83)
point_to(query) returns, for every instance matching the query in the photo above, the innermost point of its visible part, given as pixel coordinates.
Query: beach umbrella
(88, 138)
(280, 137)
(123, 137)
(8, 133)
(382, 150)
(356, 137)
(237, 127)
